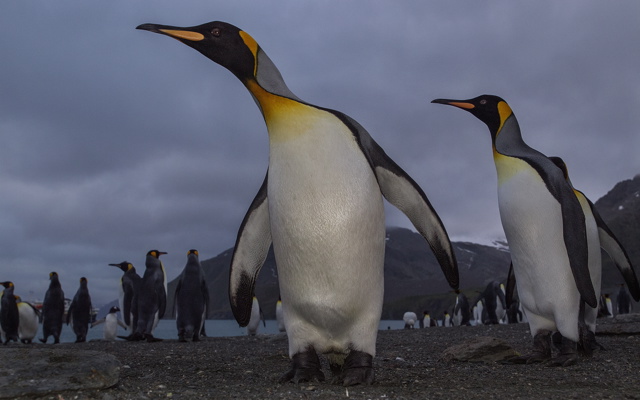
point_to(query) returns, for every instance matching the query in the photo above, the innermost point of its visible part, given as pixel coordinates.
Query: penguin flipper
(98, 322)
(610, 243)
(250, 251)
(162, 302)
(127, 300)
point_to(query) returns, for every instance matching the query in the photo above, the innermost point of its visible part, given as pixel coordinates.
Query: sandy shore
(408, 366)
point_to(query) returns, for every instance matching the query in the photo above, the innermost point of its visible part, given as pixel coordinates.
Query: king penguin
(29, 320)
(111, 323)
(128, 299)
(545, 228)
(152, 297)
(191, 299)
(461, 311)
(427, 321)
(321, 207)
(52, 310)
(9, 315)
(79, 313)
(280, 316)
(256, 317)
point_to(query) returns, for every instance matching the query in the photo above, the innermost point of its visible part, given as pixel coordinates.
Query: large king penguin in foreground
(321, 207)
(545, 227)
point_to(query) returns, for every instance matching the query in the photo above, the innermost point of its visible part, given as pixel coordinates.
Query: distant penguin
(608, 304)
(52, 310)
(29, 320)
(514, 315)
(280, 316)
(256, 316)
(446, 320)
(191, 299)
(321, 206)
(79, 313)
(427, 321)
(128, 299)
(111, 323)
(9, 315)
(410, 318)
(152, 297)
(478, 311)
(494, 304)
(624, 301)
(461, 311)
(545, 227)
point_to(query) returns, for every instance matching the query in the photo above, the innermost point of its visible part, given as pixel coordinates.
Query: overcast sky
(116, 141)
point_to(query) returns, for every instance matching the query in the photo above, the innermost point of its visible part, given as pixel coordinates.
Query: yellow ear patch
(187, 35)
(504, 111)
(253, 47)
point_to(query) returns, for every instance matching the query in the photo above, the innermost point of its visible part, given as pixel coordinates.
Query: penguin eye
(216, 32)
(483, 102)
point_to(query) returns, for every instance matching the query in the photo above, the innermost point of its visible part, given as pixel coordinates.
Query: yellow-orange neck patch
(253, 46)
(504, 111)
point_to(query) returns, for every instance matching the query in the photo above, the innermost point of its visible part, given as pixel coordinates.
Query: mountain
(413, 279)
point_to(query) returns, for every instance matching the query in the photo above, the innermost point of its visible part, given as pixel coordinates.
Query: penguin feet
(357, 369)
(149, 338)
(305, 367)
(588, 344)
(568, 354)
(541, 350)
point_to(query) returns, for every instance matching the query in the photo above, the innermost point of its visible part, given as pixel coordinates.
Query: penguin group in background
(493, 303)
(256, 317)
(52, 310)
(128, 298)
(29, 320)
(280, 316)
(545, 227)
(79, 313)
(9, 316)
(111, 323)
(321, 206)
(191, 299)
(461, 311)
(410, 318)
(427, 321)
(152, 297)
(623, 300)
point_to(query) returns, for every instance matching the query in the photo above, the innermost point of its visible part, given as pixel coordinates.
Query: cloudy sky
(115, 141)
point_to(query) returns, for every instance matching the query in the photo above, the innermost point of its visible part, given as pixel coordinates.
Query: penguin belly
(327, 226)
(110, 326)
(28, 326)
(532, 221)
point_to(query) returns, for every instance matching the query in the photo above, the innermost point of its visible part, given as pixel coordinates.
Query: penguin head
(7, 284)
(155, 253)
(53, 276)
(83, 281)
(490, 109)
(114, 309)
(219, 41)
(124, 266)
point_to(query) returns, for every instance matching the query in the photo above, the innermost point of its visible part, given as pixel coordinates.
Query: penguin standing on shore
(152, 297)
(494, 304)
(79, 313)
(128, 299)
(191, 299)
(29, 320)
(9, 315)
(545, 227)
(427, 321)
(256, 317)
(410, 318)
(52, 310)
(321, 206)
(623, 300)
(111, 323)
(280, 316)
(461, 311)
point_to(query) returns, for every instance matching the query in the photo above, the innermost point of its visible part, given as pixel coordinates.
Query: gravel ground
(408, 366)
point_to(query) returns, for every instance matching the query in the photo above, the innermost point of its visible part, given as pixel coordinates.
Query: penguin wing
(175, 295)
(405, 194)
(127, 302)
(610, 243)
(98, 322)
(205, 295)
(162, 300)
(573, 223)
(250, 251)
(70, 311)
(123, 326)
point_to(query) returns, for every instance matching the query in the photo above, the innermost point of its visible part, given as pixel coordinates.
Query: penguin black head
(53, 275)
(192, 251)
(490, 109)
(7, 284)
(83, 281)
(114, 309)
(155, 253)
(124, 266)
(221, 42)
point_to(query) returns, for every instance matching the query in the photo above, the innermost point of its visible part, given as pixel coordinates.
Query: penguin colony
(330, 248)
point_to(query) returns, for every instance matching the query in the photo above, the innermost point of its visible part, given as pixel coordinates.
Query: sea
(167, 329)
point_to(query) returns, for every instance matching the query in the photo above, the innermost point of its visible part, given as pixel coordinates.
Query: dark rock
(484, 349)
(35, 372)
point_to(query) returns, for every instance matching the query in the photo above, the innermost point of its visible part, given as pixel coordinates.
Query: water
(166, 329)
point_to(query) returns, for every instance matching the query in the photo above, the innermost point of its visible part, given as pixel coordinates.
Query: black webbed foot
(357, 369)
(305, 367)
